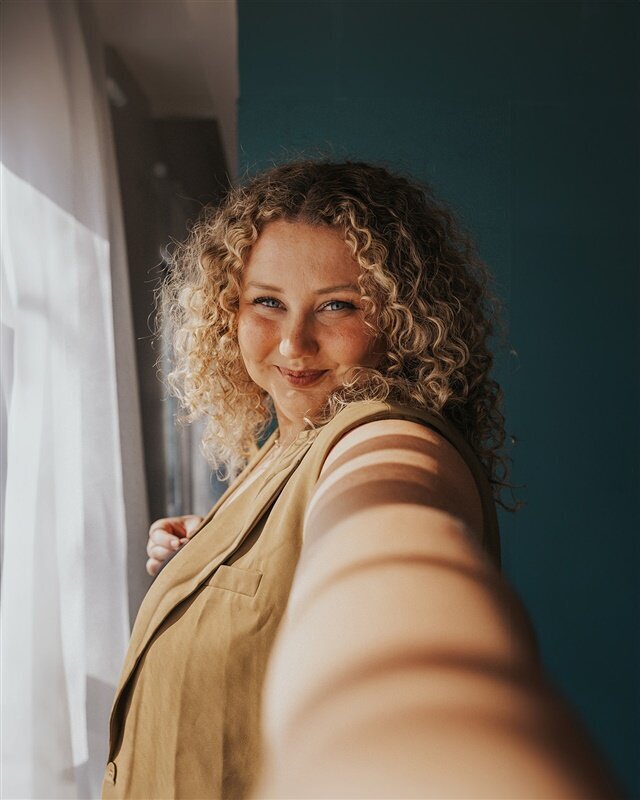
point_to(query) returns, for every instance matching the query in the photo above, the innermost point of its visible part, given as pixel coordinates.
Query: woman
(343, 302)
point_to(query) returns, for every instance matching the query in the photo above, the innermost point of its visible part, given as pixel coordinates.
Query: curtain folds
(69, 388)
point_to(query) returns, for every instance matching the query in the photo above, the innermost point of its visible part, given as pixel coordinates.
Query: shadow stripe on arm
(381, 442)
(363, 489)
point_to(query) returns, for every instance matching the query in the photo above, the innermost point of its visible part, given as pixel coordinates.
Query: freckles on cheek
(353, 344)
(255, 335)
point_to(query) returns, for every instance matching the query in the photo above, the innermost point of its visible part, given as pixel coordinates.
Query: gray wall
(525, 117)
(167, 169)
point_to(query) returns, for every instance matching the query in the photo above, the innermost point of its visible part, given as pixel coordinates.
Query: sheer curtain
(69, 397)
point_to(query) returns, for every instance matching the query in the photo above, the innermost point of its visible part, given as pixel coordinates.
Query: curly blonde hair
(423, 288)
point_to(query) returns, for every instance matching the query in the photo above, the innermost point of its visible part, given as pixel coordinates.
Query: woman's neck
(288, 432)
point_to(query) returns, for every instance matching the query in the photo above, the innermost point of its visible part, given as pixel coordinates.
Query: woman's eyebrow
(264, 286)
(345, 286)
(342, 287)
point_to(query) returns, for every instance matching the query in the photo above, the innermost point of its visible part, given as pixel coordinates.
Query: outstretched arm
(406, 666)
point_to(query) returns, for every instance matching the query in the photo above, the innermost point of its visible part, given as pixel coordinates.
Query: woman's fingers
(192, 523)
(183, 526)
(160, 537)
(166, 536)
(161, 553)
(174, 525)
(153, 566)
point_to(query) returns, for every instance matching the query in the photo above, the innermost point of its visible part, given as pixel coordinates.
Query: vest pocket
(234, 579)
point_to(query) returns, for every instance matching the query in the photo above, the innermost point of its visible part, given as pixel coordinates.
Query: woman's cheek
(353, 343)
(256, 335)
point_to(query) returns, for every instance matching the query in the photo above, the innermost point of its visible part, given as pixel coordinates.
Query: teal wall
(525, 117)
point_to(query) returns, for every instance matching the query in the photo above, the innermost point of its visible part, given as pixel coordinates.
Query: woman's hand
(166, 536)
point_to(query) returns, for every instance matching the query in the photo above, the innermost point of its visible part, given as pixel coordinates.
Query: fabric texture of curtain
(69, 398)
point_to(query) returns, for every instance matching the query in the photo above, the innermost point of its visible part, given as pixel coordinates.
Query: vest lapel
(204, 553)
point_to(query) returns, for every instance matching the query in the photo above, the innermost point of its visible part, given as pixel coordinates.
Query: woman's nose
(298, 339)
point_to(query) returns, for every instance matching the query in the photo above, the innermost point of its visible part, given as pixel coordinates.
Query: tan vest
(185, 719)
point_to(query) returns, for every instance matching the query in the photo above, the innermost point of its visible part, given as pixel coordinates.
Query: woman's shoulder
(378, 435)
(360, 411)
(406, 461)
(376, 426)
(385, 447)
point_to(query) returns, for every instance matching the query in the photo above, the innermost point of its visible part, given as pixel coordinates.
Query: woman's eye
(337, 305)
(267, 302)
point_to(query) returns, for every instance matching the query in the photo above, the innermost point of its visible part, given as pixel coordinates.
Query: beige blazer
(185, 719)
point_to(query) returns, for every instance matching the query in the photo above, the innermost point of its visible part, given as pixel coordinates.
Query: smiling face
(300, 322)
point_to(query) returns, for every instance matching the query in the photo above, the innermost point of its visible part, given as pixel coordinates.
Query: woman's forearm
(406, 667)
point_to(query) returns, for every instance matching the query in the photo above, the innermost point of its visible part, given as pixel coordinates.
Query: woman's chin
(295, 405)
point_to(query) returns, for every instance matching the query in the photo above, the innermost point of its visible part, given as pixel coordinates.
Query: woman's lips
(304, 377)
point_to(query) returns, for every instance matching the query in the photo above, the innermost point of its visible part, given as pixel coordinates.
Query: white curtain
(67, 493)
